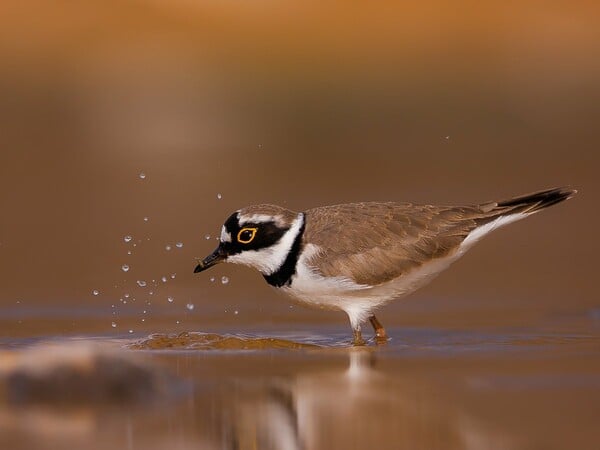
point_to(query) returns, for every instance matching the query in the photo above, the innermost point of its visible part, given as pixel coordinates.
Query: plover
(357, 257)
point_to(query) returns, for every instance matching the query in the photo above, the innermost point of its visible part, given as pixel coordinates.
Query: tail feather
(528, 204)
(497, 214)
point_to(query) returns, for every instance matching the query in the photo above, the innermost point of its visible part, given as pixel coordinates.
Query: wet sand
(494, 388)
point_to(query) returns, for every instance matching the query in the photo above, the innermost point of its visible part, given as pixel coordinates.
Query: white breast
(338, 293)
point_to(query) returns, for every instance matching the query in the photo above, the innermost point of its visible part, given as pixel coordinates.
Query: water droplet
(125, 268)
(164, 279)
(127, 238)
(143, 320)
(177, 322)
(179, 245)
(170, 299)
(190, 306)
(212, 279)
(224, 280)
(167, 247)
(144, 312)
(124, 302)
(151, 292)
(173, 276)
(113, 324)
(236, 312)
(95, 292)
(146, 219)
(142, 176)
(219, 196)
(207, 237)
(130, 331)
(129, 252)
(141, 283)
(126, 296)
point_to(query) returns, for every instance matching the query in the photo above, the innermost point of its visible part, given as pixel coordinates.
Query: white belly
(359, 301)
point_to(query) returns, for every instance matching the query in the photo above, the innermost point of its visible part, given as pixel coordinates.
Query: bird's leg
(380, 334)
(357, 337)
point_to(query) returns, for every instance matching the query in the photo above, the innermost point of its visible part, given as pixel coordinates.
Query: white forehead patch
(259, 218)
(225, 235)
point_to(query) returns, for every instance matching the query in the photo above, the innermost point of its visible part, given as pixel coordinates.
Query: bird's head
(259, 236)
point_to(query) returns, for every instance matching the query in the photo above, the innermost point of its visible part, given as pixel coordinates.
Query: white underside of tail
(359, 301)
(478, 233)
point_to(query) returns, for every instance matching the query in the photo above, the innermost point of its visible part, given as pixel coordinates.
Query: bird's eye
(246, 235)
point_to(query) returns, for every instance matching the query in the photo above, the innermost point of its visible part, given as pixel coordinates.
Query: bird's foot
(381, 337)
(358, 340)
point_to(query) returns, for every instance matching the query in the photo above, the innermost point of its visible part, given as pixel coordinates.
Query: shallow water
(277, 389)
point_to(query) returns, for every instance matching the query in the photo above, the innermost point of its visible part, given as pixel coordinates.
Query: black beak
(214, 258)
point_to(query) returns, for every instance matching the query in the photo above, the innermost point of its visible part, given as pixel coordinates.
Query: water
(303, 386)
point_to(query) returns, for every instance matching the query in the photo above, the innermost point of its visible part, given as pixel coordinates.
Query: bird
(357, 257)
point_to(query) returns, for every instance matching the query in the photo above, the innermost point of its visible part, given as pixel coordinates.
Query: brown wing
(371, 243)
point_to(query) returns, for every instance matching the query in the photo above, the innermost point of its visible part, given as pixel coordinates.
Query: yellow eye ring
(247, 240)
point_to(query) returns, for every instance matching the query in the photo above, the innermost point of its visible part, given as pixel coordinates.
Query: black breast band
(283, 275)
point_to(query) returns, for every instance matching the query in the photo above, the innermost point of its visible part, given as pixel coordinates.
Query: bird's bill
(214, 258)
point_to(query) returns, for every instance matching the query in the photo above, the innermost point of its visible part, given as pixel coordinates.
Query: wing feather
(371, 243)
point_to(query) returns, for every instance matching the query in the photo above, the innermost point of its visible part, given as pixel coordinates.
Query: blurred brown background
(300, 104)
